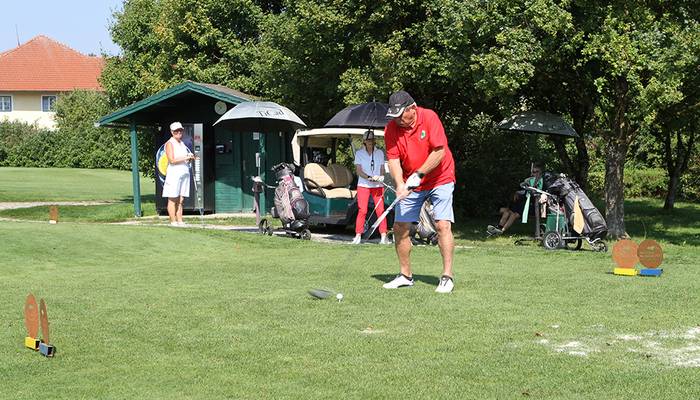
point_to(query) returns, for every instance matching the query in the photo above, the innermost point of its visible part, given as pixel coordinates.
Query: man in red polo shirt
(423, 168)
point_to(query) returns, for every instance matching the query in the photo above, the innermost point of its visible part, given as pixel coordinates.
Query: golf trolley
(558, 230)
(290, 206)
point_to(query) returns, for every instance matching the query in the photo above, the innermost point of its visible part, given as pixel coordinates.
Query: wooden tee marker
(32, 317)
(626, 254)
(53, 214)
(650, 255)
(45, 347)
(31, 322)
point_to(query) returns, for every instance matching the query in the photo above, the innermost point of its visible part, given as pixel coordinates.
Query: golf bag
(568, 190)
(424, 231)
(290, 206)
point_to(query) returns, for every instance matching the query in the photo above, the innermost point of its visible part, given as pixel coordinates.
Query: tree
(165, 42)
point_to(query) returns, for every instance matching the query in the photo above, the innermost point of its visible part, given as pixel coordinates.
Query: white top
(364, 160)
(179, 151)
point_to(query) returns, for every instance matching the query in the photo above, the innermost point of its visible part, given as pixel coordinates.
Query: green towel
(526, 210)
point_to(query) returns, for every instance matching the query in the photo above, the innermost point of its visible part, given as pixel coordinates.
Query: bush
(639, 182)
(77, 143)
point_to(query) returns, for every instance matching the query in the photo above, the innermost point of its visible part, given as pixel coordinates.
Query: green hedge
(77, 143)
(649, 182)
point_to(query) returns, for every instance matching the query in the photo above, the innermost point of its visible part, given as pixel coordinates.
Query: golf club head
(320, 293)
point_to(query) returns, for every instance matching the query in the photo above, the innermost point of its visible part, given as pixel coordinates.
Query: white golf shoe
(446, 285)
(357, 239)
(399, 281)
(384, 240)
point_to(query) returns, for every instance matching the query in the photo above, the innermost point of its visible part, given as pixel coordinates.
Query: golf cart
(327, 174)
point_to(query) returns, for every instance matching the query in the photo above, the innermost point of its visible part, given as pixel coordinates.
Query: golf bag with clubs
(424, 231)
(568, 190)
(290, 206)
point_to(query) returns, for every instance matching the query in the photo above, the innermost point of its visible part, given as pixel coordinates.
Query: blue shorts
(408, 209)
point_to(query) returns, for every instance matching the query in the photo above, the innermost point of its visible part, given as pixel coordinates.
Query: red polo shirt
(413, 145)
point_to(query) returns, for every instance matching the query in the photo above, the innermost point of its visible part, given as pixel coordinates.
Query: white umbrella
(260, 116)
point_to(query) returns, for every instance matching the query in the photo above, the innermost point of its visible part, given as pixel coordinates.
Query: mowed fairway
(155, 312)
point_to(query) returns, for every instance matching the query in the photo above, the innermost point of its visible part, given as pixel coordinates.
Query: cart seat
(331, 182)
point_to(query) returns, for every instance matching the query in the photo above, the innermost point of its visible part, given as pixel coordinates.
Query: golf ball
(339, 296)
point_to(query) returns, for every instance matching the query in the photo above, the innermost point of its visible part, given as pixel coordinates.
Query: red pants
(362, 200)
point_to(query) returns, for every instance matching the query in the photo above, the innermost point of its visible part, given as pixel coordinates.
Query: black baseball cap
(398, 103)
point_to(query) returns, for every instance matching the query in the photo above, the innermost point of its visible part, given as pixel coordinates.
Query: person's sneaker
(384, 240)
(357, 240)
(446, 285)
(492, 230)
(174, 224)
(181, 223)
(399, 281)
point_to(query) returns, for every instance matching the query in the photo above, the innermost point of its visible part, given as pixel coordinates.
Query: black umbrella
(538, 122)
(366, 115)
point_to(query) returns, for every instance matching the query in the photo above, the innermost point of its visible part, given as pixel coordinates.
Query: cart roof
(323, 137)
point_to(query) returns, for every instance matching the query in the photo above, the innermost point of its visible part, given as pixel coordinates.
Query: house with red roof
(34, 74)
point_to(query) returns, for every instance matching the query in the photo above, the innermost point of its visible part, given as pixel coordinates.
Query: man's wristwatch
(420, 174)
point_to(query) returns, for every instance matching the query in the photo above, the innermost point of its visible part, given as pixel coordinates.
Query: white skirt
(176, 185)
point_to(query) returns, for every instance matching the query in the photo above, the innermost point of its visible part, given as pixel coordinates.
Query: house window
(48, 103)
(6, 103)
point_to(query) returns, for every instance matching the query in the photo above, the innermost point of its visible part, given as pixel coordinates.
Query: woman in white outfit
(369, 165)
(177, 177)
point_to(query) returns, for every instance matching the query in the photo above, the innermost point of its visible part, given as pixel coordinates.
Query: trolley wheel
(305, 234)
(264, 227)
(552, 240)
(600, 246)
(574, 244)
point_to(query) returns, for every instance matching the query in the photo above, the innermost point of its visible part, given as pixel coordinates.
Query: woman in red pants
(369, 165)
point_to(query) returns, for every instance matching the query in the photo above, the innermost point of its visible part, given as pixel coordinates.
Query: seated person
(519, 201)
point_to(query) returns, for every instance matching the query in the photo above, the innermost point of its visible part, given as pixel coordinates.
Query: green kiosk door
(235, 163)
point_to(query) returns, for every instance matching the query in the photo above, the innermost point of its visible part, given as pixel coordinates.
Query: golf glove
(413, 181)
(378, 178)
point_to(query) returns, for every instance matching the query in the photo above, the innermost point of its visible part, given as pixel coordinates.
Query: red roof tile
(43, 64)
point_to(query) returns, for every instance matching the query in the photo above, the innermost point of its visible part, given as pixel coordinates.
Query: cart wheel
(600, 246)
(552, 240)
(306, 234)
(574, 244)
(264, 227)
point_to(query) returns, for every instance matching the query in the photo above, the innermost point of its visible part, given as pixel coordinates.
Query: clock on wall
(220, 107)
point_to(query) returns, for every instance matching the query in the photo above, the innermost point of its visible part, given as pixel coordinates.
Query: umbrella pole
(262, 170)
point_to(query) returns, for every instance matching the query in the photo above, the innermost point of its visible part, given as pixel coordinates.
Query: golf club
(386, 212)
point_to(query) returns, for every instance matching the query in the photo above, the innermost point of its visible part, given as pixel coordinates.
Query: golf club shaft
(382, 217)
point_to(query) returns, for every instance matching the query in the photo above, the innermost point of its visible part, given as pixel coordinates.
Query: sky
(79, 24)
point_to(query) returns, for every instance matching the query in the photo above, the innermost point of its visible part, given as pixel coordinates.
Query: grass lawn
(158, 312)
(155, 312)
(69, 184)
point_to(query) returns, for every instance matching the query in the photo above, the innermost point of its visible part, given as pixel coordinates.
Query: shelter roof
(164, 104)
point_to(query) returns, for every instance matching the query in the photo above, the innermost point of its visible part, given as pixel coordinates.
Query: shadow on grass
(145, 198)
(647, 218)
(428, 279)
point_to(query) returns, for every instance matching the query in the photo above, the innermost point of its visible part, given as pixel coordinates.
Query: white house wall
(26, 107)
